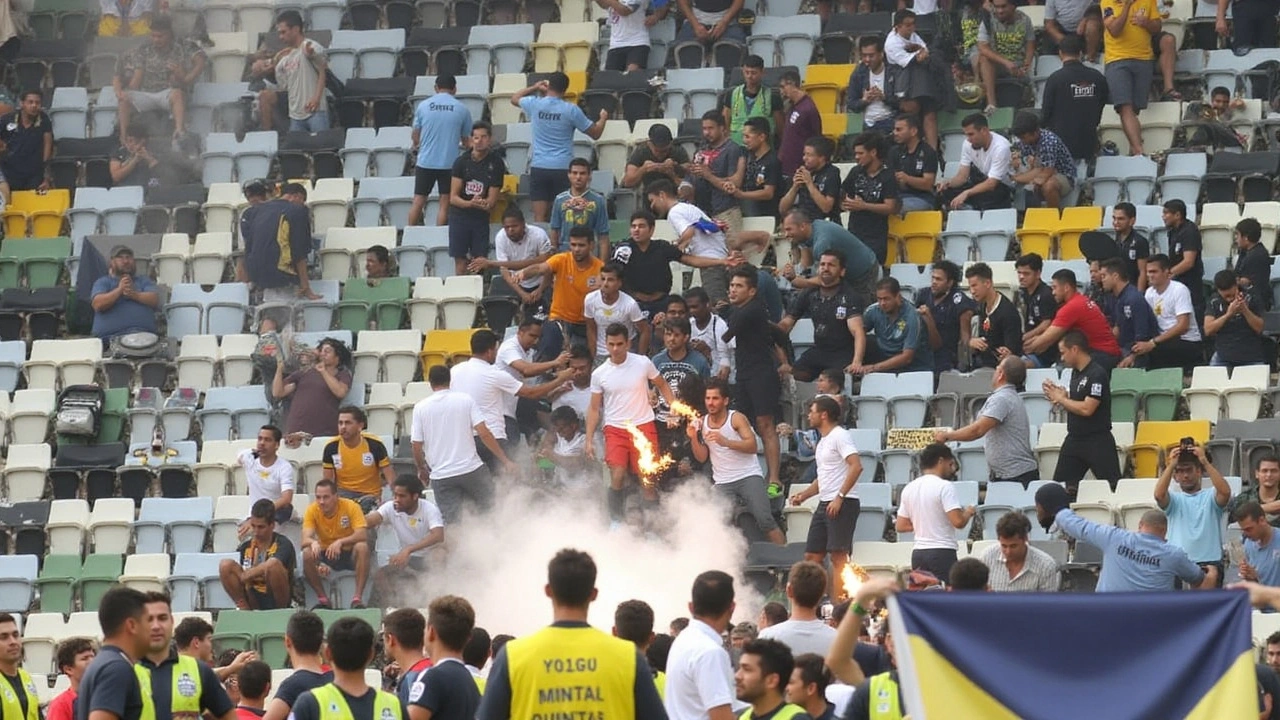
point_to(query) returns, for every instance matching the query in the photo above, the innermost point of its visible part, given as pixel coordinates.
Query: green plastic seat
(1127, 386)
(262, 630)
(100, 572)
(1160, 394)
(57, 583)
(373, 616)
(40, 260)
(114, 410)
(381, 301)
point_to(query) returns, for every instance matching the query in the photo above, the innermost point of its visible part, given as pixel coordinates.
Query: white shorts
(149, 101)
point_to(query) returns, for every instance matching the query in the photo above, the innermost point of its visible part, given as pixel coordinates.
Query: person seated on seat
(901, 339)
(133, 163)
(125, 19)
(262, 578)
(1006, 47)
(377, 263)
(418, 527)
(159, 75)
(334, 538)
(357, 462)
(1044, 162)
(123, 302)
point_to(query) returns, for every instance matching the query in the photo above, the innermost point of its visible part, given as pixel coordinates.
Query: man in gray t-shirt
(1003, 422)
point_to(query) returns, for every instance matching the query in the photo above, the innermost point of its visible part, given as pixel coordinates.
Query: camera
(1187, 444)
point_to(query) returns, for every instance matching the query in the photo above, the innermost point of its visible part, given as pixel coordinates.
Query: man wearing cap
(123, 303)
(277, 240)
(656, 159)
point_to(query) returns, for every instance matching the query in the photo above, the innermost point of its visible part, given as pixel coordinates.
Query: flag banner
(1074, 656)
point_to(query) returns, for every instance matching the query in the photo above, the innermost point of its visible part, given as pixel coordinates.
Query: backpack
(79, 410)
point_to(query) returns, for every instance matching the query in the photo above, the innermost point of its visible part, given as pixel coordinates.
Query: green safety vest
(787, 712)
(144, 686)
(884, 698)
(738, 112)
(12, 704)
(333, 706)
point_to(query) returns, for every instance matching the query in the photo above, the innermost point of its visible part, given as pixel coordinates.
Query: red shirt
(61, 707)
(1081, 313)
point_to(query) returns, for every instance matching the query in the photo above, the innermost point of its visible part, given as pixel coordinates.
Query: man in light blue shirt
(580, 206)
(1195, 515)
(123, 302)
(554, 120)
(1131, 561)
(1261, 552)
(901, 341)
(441, 127)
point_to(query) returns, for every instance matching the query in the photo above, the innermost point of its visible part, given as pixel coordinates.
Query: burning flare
(650, 462)
(852, 577)
(682, 408)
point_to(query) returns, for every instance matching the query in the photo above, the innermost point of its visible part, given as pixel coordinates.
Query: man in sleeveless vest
(751, 99)
(182, 687)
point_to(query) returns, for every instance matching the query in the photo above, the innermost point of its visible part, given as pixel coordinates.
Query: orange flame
(650, 462)
(852, 577)
(683, 409)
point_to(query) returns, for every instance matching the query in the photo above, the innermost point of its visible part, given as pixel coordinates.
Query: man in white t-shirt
(517, 246)
(492, 388)
(696, 234)
(804, 631)
(984, 181)
(444, 451)
(726, 439)
(620, 399)
(628, 34)
(700, 683)
(418, 527)
(838, 467)
(610, 305)
(516, 358)
(929, 508)
(1178, 343)
(576, 393)
(708, 332)
(267, 476)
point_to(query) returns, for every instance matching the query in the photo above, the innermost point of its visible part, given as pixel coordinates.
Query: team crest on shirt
(387, 714)
(367, 459)
(1128, 311)
(473, 188)
(186, 686)
(622, 254)
(344, 521)
(337, 462)
(1095, 389)
(333, 707)
(591, 281)
(841, 312)
(413, 521)
(264, 474)
(415, 692)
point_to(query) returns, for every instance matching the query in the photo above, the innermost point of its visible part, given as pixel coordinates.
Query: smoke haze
(499, 561)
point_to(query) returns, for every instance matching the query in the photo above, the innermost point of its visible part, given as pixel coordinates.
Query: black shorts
(649, 308)
(833, 535)
(468, 235)
(937, 561)
(263, 600)
(813, 361)
(1155, 42)
(545, 184)
(619, 58)
(425, 179)
(758, 395)
(345, 561)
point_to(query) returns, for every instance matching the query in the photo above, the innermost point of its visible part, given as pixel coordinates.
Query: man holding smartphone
(1195, 515)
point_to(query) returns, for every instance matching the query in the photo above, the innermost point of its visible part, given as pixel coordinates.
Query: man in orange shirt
(574, 274)
(334, 537)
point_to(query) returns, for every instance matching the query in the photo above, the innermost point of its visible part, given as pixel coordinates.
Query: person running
(441, 124)
(620, 400)
(839, 469)
(725, 439)
(528, 673)
(349, 646)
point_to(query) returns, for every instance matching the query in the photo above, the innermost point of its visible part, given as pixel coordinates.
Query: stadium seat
(227, 159)
(110, 525)
(423, 251)
(380, 302)
(688, 93)
(459, 299)
(1154, 438)
(230, 511)
(57, 583)
(383, 408)
(17, 582)
(875, 512)
(29, 415)
(1118, 178)
(1153, 392)
(918, 234)
(827, 84)
(342, 256)
(383, 197)
(413, 393)
(882, 559)
(329, 202)
(387, 355)
(424, 306)
(146, 572)
(32, 262)
(66, 526)
(789, 40)
(195, 582)
(197, 361)
(34, 214)
(217, 106)
(41, 632)
(227, 55)
(1183, 174)
(174, 525)
(445, 347)
(113, 211)
(1217, 228)
(221, 310)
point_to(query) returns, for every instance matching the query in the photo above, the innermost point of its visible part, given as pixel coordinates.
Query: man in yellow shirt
(359, 464)
(1130, 62)
(574, 274)
(334, 537)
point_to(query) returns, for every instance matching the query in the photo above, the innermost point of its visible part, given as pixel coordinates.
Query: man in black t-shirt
(946, 312)
(446, 690)
(110, 684)
(815, 187)
(870, 195)
(646, 264)
(1186, 251)
(756, 358)
(1074, 96)
(1253, 267)
(657, 159)
(914, 164)
(720, 162)
(477, 179)
(26, 135)
(1234, 321)
(999, 326)
(1134, 247)
(349, 646)
(839, 339)
(276, 236)
(1037, 300)
(1089, 444)
(303, 637)
(263, 577)
(759, 190)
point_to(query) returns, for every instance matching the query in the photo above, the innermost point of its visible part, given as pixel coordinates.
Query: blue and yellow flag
(1070, 656)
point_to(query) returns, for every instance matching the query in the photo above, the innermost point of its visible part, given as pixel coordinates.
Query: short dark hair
(871, 142)
(1066, 276)
(976, 120)
(482, 341)
(291, 18)
(822, 145)
(565, 414)
(612, 268)
(775, 612)
(1025, 123)
(1224, 280)
(118, 605)
(1030, 260)
(790, 77)
(580, 231)
(1160, 260)
(633, 620)
(1218, 91)
(661, 186)
(674, 299)
(446, 81)
(1117, 267)
(305, 631)
(572, 577)
(808, 583)
(719, 384)
(714, 116)
(646, 216)
(775, 659)
(749, 275)
(658, 651)
(263, 509)
(559, 82)
(758, 125)
(254, 679)
(979, 269)
(911, 119)
(934, 453)
(1250, 228)
(71, 647)
(498, 642)
(616, 329)
(1251, 510)
(407, 626)
(1013, 525)
(379, 253)
(439, 376)
(869, 40)
(678, 324)
(158, 596)
(275, 431)
(753, 61)
(902, 16)
(949, 269)
(826, 406)
(513, 212)
(813, 671)
(350, 641)
(580, 162)
(289, 188)
(1176, 206)
(580, 352)
(356, 414)
(1274, 638)
(1075, 339)
(891, 284)
(1071, 45)
(712, 593)
(969, 574)
(835, 376)
(476, 652)
(452, 617)
(1267, 458)
(482, 125)
(1127, 208)
(163, 23)
(190, 630)
(409, 482)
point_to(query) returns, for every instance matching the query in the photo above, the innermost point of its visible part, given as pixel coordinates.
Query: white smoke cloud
(498, 561)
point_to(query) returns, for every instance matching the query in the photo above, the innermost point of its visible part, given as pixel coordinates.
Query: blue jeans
(912, 203)
(733, 33)
(318, 121)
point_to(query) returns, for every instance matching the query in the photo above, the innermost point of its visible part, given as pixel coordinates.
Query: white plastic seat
(459, 299)
(390, 355)
(222, 205)
(195, 576)
(66, 527)
(1217, 228)
(29, 414)
(69, 112)
(41, 633)
(1204, 395)
(25, 471)
(146, 572)
(57, 363)
(197, 361)
(498, 49)
(423, 251)
(111, 525)
(170, 264)
(329, 201)
(227, 55)
(209, 257)
(228, 513)
(344, 248)
(237, 363)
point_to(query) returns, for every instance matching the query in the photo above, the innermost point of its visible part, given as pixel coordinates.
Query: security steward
(17, 689)
(182, 687)
(761, 679)
(112, 684)
(1089, 444)
(349, 649)
(879, 697)
(570, 669)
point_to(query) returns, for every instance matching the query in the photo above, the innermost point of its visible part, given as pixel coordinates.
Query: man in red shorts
(620, 390)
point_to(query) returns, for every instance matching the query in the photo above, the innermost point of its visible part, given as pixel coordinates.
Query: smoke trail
(498, 561)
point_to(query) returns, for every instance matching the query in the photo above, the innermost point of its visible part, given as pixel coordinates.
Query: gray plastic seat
(69, 112)
(499, 49)
(195, 583)
(185, 521)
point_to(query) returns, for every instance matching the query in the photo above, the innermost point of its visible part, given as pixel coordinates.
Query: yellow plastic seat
(1075, 221)
(1154, 438)
(835, 125)
(35, 214)
(826, 84)
(445, 347)
(918, 233)
(1037, 231)
(564, 46)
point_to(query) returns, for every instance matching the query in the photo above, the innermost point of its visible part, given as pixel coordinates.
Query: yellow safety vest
(787, 712)
(572, 672)
(884, 698)
(738, 112)
(660, 682)
(144, 687)
(333, 705)
(479, 683)
(12, 704)
(184, 696)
